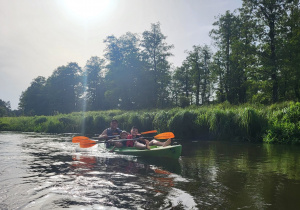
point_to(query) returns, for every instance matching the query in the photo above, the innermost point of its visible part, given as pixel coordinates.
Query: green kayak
(155, 151)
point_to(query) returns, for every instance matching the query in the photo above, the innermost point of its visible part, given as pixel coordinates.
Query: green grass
(278, 123)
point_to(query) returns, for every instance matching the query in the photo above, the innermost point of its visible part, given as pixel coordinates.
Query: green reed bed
(273, 124)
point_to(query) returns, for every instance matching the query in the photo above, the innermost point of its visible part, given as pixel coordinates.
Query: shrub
(284, 125)
(87, 125)
(54, 127)
(100, 124)
(40, 120)
(161, 121)
(252, 124)
(183, 123)
(146, 120)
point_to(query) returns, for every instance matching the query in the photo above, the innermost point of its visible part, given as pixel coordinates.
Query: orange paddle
(87, 143)
(153, 131)
(166, 135)
(78, 139)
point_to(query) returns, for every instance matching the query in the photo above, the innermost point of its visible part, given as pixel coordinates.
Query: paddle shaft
(115, 140)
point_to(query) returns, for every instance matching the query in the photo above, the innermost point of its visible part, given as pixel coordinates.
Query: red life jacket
(129, 143)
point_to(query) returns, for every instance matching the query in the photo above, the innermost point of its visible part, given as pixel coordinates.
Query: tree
(198, 61)
(245, 57)
(289, 63)
(183, 79)
(155, 53)
(95, 85)
(34, 100)
(218, 76)
(127, 81)
(268, 15)
(225, 36)
(236, 58)
(64, 89)
(5, 108)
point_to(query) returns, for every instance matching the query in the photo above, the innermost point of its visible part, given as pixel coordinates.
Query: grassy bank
(278, 123)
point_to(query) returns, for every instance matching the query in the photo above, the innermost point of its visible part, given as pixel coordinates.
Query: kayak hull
(155, 151)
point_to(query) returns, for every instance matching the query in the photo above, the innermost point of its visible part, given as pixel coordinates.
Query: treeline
(5, 110)
(273, 124)
(257, 60)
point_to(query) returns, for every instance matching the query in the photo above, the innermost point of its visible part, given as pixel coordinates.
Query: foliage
(93, 81)
(188, 129)
(278, 123)
(155, 54)
(285, 125)
(4, 108)
(257, 60)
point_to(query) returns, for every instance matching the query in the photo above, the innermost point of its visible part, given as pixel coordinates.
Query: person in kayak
(123, 135)
(142, 143)
(111, 133)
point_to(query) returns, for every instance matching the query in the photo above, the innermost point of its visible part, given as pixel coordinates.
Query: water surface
(42, 171)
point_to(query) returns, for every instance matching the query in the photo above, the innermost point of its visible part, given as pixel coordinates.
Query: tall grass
(274, 124)
(284, 125)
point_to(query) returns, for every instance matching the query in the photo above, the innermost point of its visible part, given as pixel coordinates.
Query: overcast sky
(37, 36)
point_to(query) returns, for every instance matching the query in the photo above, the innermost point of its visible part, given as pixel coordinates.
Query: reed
(278, 123)
(284, 125)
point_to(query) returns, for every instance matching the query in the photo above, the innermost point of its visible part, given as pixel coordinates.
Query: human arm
(112, 149)
(141, 139)
(103, 135)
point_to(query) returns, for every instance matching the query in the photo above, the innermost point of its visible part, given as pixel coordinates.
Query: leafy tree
(155, 53)
(183, 80)
(225, 36)
(126, 77)
(5, 108)
(289, 63)
(206, 55)
(198, 60)
(33, 100)
(218, 76)
(64, 88)
(268, 15)
(94, 81)
(245, 57)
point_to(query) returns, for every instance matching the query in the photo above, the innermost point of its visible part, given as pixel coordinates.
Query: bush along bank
(284, 125)
(278, 123)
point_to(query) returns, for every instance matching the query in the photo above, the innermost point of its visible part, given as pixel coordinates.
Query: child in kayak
(123, 135)
(142, 143)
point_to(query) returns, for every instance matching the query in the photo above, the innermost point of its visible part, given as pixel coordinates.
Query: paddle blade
(166, 135)
(78, 139)
(87, 143)
(146, 132)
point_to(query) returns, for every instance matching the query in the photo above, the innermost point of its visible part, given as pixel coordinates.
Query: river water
(42, 171)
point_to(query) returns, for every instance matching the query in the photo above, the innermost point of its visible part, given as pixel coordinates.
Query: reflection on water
(54, 175)
(242, 175)
(39, 171)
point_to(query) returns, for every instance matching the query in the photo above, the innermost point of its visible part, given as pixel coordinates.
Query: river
(43, 171)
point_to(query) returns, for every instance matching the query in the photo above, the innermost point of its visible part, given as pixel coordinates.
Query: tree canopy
(255, 58)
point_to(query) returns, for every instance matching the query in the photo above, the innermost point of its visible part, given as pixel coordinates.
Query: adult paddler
(110, 133)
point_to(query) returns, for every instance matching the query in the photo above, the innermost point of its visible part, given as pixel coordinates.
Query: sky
(38, 36)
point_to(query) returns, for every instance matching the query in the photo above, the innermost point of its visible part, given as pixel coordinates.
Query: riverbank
(279, 123)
